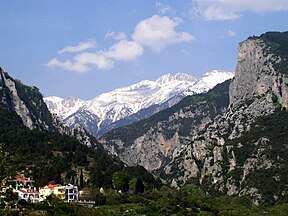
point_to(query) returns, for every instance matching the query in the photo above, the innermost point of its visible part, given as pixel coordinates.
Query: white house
(20, 183)
(29, 195)
(71, 193)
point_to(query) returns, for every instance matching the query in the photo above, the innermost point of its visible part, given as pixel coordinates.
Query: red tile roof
(30, 191)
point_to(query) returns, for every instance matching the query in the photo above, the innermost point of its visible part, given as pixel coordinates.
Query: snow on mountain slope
(123, 102)
(63, 107)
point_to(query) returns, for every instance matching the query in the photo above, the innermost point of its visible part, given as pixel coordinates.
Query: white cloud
(66, 65)
(255, 5)
(233, 9)
(217, 13)
(122, 51)
(80, 47)
(116, 36)
(157, 32)
(164, 9)
(231, 33)
(125, 50)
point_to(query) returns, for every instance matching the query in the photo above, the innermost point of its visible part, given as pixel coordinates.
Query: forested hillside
(45, 154)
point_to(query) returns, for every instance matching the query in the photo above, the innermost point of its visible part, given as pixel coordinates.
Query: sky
(83, 48)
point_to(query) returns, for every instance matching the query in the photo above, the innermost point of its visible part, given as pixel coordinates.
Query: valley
(177, 141)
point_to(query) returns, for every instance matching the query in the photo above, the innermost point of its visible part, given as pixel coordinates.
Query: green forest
(48, 156)
(189, 200)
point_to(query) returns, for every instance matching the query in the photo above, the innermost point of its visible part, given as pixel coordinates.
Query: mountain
(25, 101)
(28, 104)
(231, 140)
(37, 145)
(129, 104)
(152, 142)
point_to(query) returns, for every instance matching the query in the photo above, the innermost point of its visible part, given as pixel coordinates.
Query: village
(26, 191)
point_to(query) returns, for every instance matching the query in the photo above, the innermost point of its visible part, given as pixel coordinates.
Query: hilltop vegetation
(51, 156)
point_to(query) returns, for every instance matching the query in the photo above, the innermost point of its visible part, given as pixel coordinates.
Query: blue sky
(84, 48)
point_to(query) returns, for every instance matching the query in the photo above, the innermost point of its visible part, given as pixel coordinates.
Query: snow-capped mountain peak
(120, 103)
(214, 77)
(184, 77)
(63, 107)
(55, 99)
(167, 78)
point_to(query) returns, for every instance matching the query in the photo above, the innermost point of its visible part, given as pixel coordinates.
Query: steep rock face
(256, 75)
(236, 147)
(126, 105)
(256, 91)
(155, 141)
(77, 132)
(240, 148)
(26, 101)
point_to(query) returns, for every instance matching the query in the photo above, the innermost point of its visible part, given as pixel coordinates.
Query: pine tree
(81, 179)
(2, 162)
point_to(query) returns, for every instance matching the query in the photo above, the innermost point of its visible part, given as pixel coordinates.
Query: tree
(70, 176)
(10, 196)
(136, 184)
(96, 177)
(121, 181)
(81, 179)
(2, 162)
(139, 186)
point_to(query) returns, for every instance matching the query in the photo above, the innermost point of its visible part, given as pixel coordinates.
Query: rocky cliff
(27, 102)
(36, 144)
(230, 140)
(155, 140)
(256, 73)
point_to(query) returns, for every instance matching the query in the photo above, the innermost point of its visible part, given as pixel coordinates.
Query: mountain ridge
(98, 114)
(234, 151)
(38, 145)
(26, 101)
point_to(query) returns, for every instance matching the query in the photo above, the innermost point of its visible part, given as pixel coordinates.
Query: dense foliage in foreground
(167, 201)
